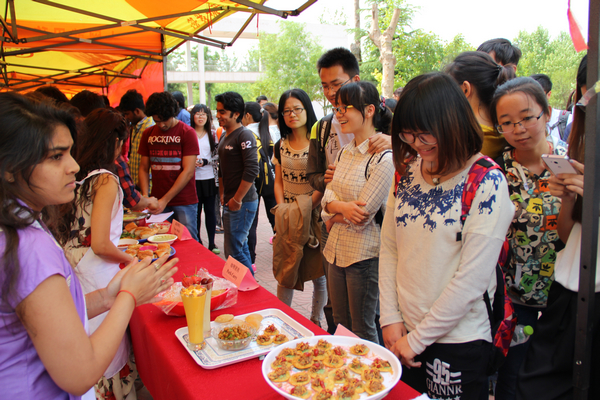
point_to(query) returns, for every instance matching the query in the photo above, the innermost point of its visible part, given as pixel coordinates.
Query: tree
(556, 58)
(383, 40)
(288, 60)
(355, 46)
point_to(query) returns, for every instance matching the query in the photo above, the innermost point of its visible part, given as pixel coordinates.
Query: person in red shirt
(169, 149)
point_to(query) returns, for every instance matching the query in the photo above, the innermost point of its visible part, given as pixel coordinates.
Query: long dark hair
(26, 135)
(207, 126)
(268, 110)
(526, 85)
(311, 118)
(577, 137)
(362, 93)
(482, 72)
(96, 150)
(434, 103)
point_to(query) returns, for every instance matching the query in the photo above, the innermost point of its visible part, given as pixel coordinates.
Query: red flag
(575, 31)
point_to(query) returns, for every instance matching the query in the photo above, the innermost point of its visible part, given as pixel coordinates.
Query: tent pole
(164, 62)
(591, 211)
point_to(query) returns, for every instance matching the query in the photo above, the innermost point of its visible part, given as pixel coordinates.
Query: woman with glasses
(478, 76)
(432, 279)
(206, 171)
(520, 112)
(351, 202)
(296, 117)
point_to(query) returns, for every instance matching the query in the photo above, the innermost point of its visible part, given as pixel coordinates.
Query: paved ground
(264, 264)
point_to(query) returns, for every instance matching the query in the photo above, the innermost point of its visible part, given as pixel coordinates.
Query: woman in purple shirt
(45, 350)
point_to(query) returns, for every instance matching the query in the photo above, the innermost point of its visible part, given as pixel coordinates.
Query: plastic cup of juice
(194, 299)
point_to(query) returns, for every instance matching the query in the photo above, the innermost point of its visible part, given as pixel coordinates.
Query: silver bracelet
(239, 202)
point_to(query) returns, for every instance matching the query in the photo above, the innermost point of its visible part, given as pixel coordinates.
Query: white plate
(389, 381)
(213, 357)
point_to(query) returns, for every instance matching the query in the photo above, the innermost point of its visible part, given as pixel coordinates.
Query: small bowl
(123, 243)
(163, 227)
(163, 238)
(233, 345)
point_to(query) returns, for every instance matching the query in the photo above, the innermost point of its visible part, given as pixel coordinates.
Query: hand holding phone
(558, 164)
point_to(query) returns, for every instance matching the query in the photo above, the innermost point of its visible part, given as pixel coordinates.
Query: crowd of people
(367, 203)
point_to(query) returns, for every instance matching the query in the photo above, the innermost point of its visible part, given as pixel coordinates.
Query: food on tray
(318, 354)
(254, 320)
(374, 386)
(357, 366)
(324, 395)
(357, 384)
(281, 338)
(317, 369)
(323, 344)
(162, 227)
(340, 375)
(381, 365)
(143, 251)
(320, 383)
(138, 232)
(303, 347)
(271, 330)
(280, 362)
(371, 374)
(303, 361)
(279, 375)
(288, 353)
(333, 361)
(264, 340)
(300, 378)
(347, 392)
(234, 333)
(300, 391)
(224, 318)
(359, 350)
(339, 351)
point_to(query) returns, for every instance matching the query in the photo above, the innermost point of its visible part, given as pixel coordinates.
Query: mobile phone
(558, 164)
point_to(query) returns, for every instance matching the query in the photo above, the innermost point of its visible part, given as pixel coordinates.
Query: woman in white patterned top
(435, 265)
(296, 116)
(351, 202)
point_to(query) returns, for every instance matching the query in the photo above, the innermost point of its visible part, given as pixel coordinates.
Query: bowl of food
(125, 242)
(163, 238)
(233, 337)
(163, 227)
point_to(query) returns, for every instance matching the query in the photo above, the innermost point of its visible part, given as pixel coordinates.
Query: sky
(476, 20)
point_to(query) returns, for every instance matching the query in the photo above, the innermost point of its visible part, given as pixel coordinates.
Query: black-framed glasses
(334, 86)
(342, 110)
(296, 110)
(410, 137)
(527, 122)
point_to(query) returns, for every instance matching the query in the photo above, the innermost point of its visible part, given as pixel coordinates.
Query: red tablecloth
(167, 369)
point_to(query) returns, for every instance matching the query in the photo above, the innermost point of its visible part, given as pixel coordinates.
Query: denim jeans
(236, 225)
(187, 216)
(354, 293)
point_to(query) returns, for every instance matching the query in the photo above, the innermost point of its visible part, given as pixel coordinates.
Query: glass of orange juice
(194, 299)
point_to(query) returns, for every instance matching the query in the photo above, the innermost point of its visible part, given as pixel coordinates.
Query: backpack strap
(368, 166)
(277, 151)
(324, 127)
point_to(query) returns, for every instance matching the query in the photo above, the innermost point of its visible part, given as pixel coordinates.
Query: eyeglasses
(342, 110)
(410, 137)
(296, 111)
(335, 86)
(527, 122)
(200, 115)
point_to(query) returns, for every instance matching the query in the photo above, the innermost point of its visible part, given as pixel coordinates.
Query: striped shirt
(134, 156)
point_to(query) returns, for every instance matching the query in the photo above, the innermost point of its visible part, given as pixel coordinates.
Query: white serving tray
(390, 379)
(213, 357)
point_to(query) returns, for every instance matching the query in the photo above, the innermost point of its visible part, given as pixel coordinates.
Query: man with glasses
(337, 67)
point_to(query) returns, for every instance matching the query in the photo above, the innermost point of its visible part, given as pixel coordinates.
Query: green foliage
(288, 61)
(556, 58)
(333, 17)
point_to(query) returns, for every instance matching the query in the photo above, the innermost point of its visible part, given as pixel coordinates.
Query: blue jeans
(186, 215)
(236, 225)
(354, 293)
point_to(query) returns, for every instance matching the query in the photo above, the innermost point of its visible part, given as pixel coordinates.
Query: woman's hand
(353, 212)
(392, 333)
(406, 355)
(329, 224)
(329, 174)
(145, 280)
(567, 186)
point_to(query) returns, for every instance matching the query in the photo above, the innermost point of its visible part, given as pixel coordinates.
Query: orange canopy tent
(107, 46)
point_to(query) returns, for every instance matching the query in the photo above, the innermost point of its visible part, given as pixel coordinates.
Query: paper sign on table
(238, 274)
(159, 217)
(177, 228)
(343, 331)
